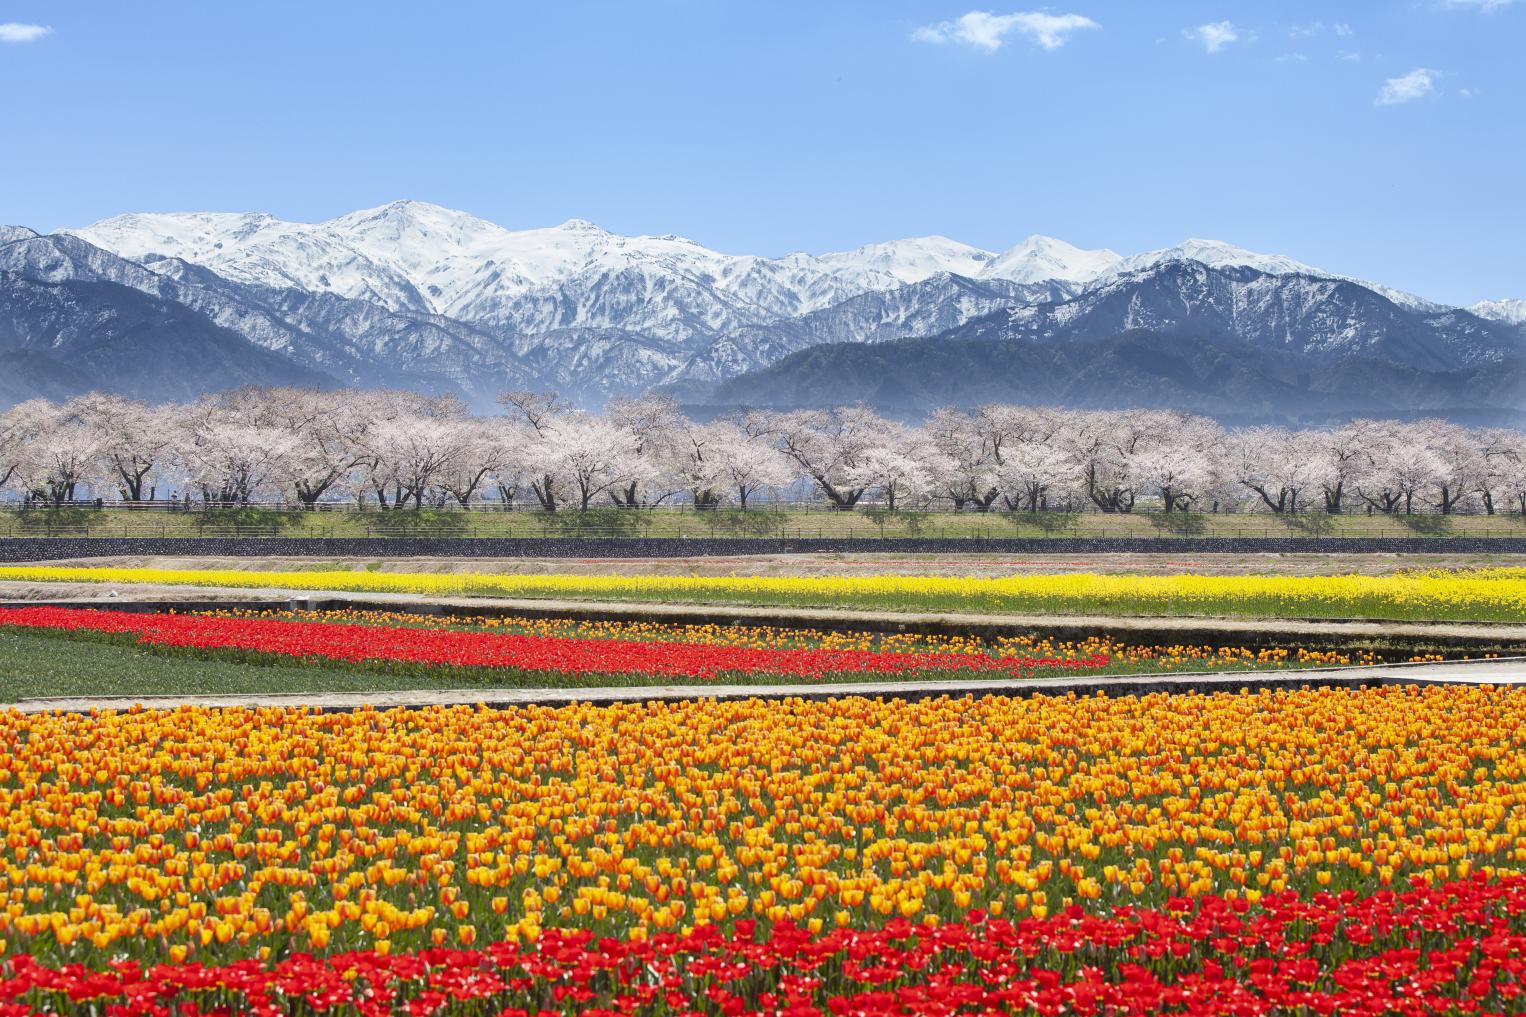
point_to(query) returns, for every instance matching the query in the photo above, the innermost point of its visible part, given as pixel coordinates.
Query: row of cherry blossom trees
(392, 449)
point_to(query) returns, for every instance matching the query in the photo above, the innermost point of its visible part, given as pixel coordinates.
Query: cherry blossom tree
(135, 441)
(233, 450)
(579, 456)
(537, 414)
(483, 451)
(1459, 457)
(19, 425)
(962, 463)
(744, 464)
(657, 433)
(1507, 454)
(1500, 452)
(1346, 455)
(63, 451)
(829, 446)
(1398, 467)
(1182, 463)
(329, 434)
(1279, 466)
(1104, 446)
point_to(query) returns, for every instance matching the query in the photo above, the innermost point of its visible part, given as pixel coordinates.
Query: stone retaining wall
(22, 549)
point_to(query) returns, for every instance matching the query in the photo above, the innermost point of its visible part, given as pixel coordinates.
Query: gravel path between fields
(1500, 673)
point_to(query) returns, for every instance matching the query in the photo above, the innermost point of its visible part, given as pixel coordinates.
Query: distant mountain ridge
(1229, 342)
(415, 295)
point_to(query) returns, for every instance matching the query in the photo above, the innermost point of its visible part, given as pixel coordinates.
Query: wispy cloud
(1214, 36)
(986, 32)
(1487, 6)
(15, 31)
(1293, 58)
(1314, 28)
(1417, 84)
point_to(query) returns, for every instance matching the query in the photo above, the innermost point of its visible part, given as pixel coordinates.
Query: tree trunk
(545, 492)
(1333, 499)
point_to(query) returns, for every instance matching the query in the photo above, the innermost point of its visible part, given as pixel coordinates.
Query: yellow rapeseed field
(1484, 596)
(213, 834)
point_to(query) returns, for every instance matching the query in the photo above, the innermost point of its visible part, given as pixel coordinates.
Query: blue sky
(1386, 140)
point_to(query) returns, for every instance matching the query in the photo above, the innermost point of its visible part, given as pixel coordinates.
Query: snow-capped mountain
(417, 257)
(415, 295)
(1231, 341)
(1216, 254)
(1312, 315)
(925, 307)
(1511, 311)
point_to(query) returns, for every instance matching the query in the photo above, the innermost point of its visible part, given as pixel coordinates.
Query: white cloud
(15, 31)
(1308, 31)
(985, 31)
(1293, 58)
(1468, 93)
(1350, 55)
(1487, 6)
(1214, 36)
(1417, 84)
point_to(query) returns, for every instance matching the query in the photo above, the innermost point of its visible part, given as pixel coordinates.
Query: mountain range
(415, 295)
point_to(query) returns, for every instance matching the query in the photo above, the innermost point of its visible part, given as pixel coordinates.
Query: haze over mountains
(415, 295)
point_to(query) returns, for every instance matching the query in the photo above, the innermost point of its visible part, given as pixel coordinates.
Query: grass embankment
(1489, 595)
(782, 523)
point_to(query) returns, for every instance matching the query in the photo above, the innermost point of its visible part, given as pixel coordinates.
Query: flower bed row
(1163, 657)
(215, 835)
(435, 647)
(1482, 595)
(1458, 947)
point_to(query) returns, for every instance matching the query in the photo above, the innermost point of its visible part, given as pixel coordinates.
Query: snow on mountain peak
(906, 261)
(1512, 312)
(11, 234)
(1217, 254)
(1040, 258)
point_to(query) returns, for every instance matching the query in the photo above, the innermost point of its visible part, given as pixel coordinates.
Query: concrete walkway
(1199, 631)
(1510, 672)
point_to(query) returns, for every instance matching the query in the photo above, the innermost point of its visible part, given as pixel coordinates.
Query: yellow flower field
(213, 834)
(1498, 595)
